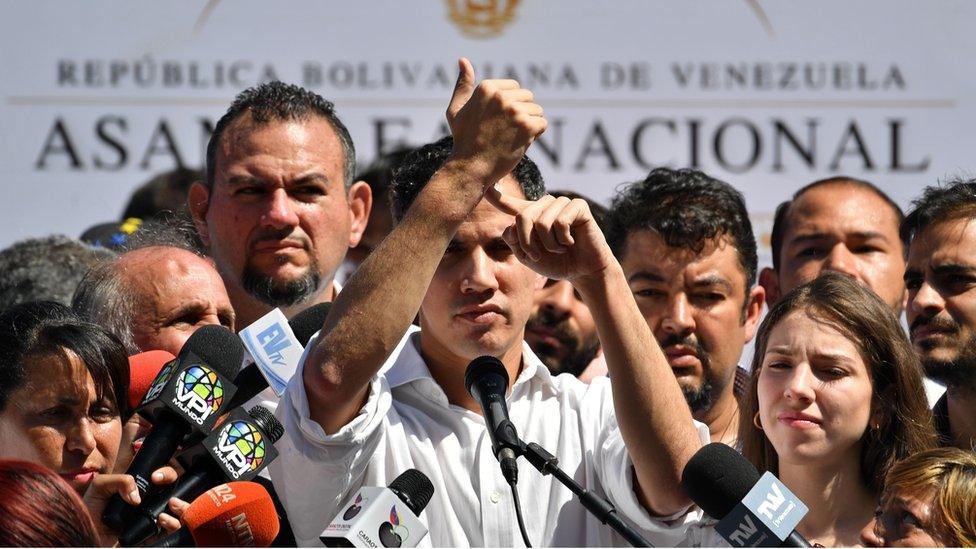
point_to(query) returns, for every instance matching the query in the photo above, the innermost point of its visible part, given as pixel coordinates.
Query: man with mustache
(561, 330)
(279, 207)
(686, 246)
(941, 283)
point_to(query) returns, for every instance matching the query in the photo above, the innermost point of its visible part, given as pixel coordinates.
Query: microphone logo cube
(199, 392)
(158, 384)
(240, 446)
(353, 509)
(192, 389)
(765, 517)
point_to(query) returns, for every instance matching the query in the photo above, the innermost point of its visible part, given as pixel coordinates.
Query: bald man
(155, 297)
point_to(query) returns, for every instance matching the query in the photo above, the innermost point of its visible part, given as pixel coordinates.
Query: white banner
(769, 96)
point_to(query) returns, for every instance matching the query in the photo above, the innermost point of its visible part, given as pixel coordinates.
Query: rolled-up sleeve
(314, 470)
(615, 469)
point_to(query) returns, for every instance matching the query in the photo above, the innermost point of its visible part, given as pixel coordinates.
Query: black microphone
(188, 394)
(237, 450)
(382, 517)
(750, 508)
(487, 381)
(250, 381)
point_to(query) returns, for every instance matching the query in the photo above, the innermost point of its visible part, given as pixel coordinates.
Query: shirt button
(495, 496)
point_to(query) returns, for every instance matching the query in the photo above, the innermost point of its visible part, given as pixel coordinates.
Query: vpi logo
(241, 447)
(160, 382)
(273, 341)
(199, 392)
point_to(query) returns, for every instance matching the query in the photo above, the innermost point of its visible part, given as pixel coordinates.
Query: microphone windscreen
(414, 488)
(481, 366)
(236, 514)
(717, 478)
(218, 347)
(306, 323)
(143, 368)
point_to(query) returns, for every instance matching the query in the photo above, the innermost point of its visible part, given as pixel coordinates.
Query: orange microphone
(236, 514)
(143, 368)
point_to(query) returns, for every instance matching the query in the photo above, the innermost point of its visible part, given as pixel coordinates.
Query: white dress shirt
(407, 422)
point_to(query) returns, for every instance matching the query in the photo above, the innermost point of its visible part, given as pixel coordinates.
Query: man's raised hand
(556, 237)
(493, 123)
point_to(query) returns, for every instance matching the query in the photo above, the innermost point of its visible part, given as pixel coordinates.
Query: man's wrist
(600, 283)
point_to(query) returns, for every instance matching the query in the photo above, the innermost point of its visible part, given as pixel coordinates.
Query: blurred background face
(694, 305)
(561, 330)
(903, 520)
(941, 281)
(56, 419)
(814, 392)
(481, 295)
(846, 229)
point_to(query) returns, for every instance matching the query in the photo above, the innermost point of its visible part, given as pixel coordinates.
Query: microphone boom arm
(601, 508)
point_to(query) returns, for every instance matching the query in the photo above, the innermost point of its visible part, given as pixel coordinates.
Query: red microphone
(236, 514)
(143, 368)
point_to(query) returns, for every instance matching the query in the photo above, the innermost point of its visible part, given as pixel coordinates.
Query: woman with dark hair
(39, 509)
(836, 398)
(63, 387)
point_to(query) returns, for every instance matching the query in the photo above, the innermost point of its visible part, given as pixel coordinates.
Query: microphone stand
(601, 508)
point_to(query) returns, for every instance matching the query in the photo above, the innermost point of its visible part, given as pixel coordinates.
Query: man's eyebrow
(241, 180)
(314, 177)
(953, 268)
(645, 276)
(863, 235)
(713, 280)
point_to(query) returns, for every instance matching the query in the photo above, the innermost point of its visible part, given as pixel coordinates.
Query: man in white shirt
(471, 266)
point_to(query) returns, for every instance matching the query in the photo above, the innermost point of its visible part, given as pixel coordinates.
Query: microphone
(250, 380)
(753, 511)
(238, 449)
(143, 368)
(236, 514)
(487, 381)
(383, 517)
(188, 394)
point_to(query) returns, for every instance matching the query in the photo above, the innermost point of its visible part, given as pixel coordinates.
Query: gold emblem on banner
(482, 18)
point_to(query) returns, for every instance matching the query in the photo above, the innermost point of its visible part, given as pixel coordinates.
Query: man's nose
(678, 318)
(558, 299)
(281, 211)
(479, 273)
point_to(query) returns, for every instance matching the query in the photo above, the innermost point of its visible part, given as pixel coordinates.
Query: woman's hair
(40, 509)
(41, 329)
(905, 422)
(949, 474)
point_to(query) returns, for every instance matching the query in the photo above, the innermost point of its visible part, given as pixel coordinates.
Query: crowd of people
(621, 328)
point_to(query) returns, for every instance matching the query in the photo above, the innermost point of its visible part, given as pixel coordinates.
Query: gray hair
(103, 299)
(45, 269)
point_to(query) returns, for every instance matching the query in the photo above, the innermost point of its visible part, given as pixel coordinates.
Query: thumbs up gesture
(493, 123)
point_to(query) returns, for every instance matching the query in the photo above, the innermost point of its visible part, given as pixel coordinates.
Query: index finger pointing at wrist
(505, 203)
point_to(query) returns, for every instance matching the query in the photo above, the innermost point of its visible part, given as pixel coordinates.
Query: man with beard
(941, 283)
(279, 207)
(686, 246)
(561, 330)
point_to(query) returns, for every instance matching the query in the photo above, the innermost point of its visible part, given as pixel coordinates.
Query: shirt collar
(408, 366)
